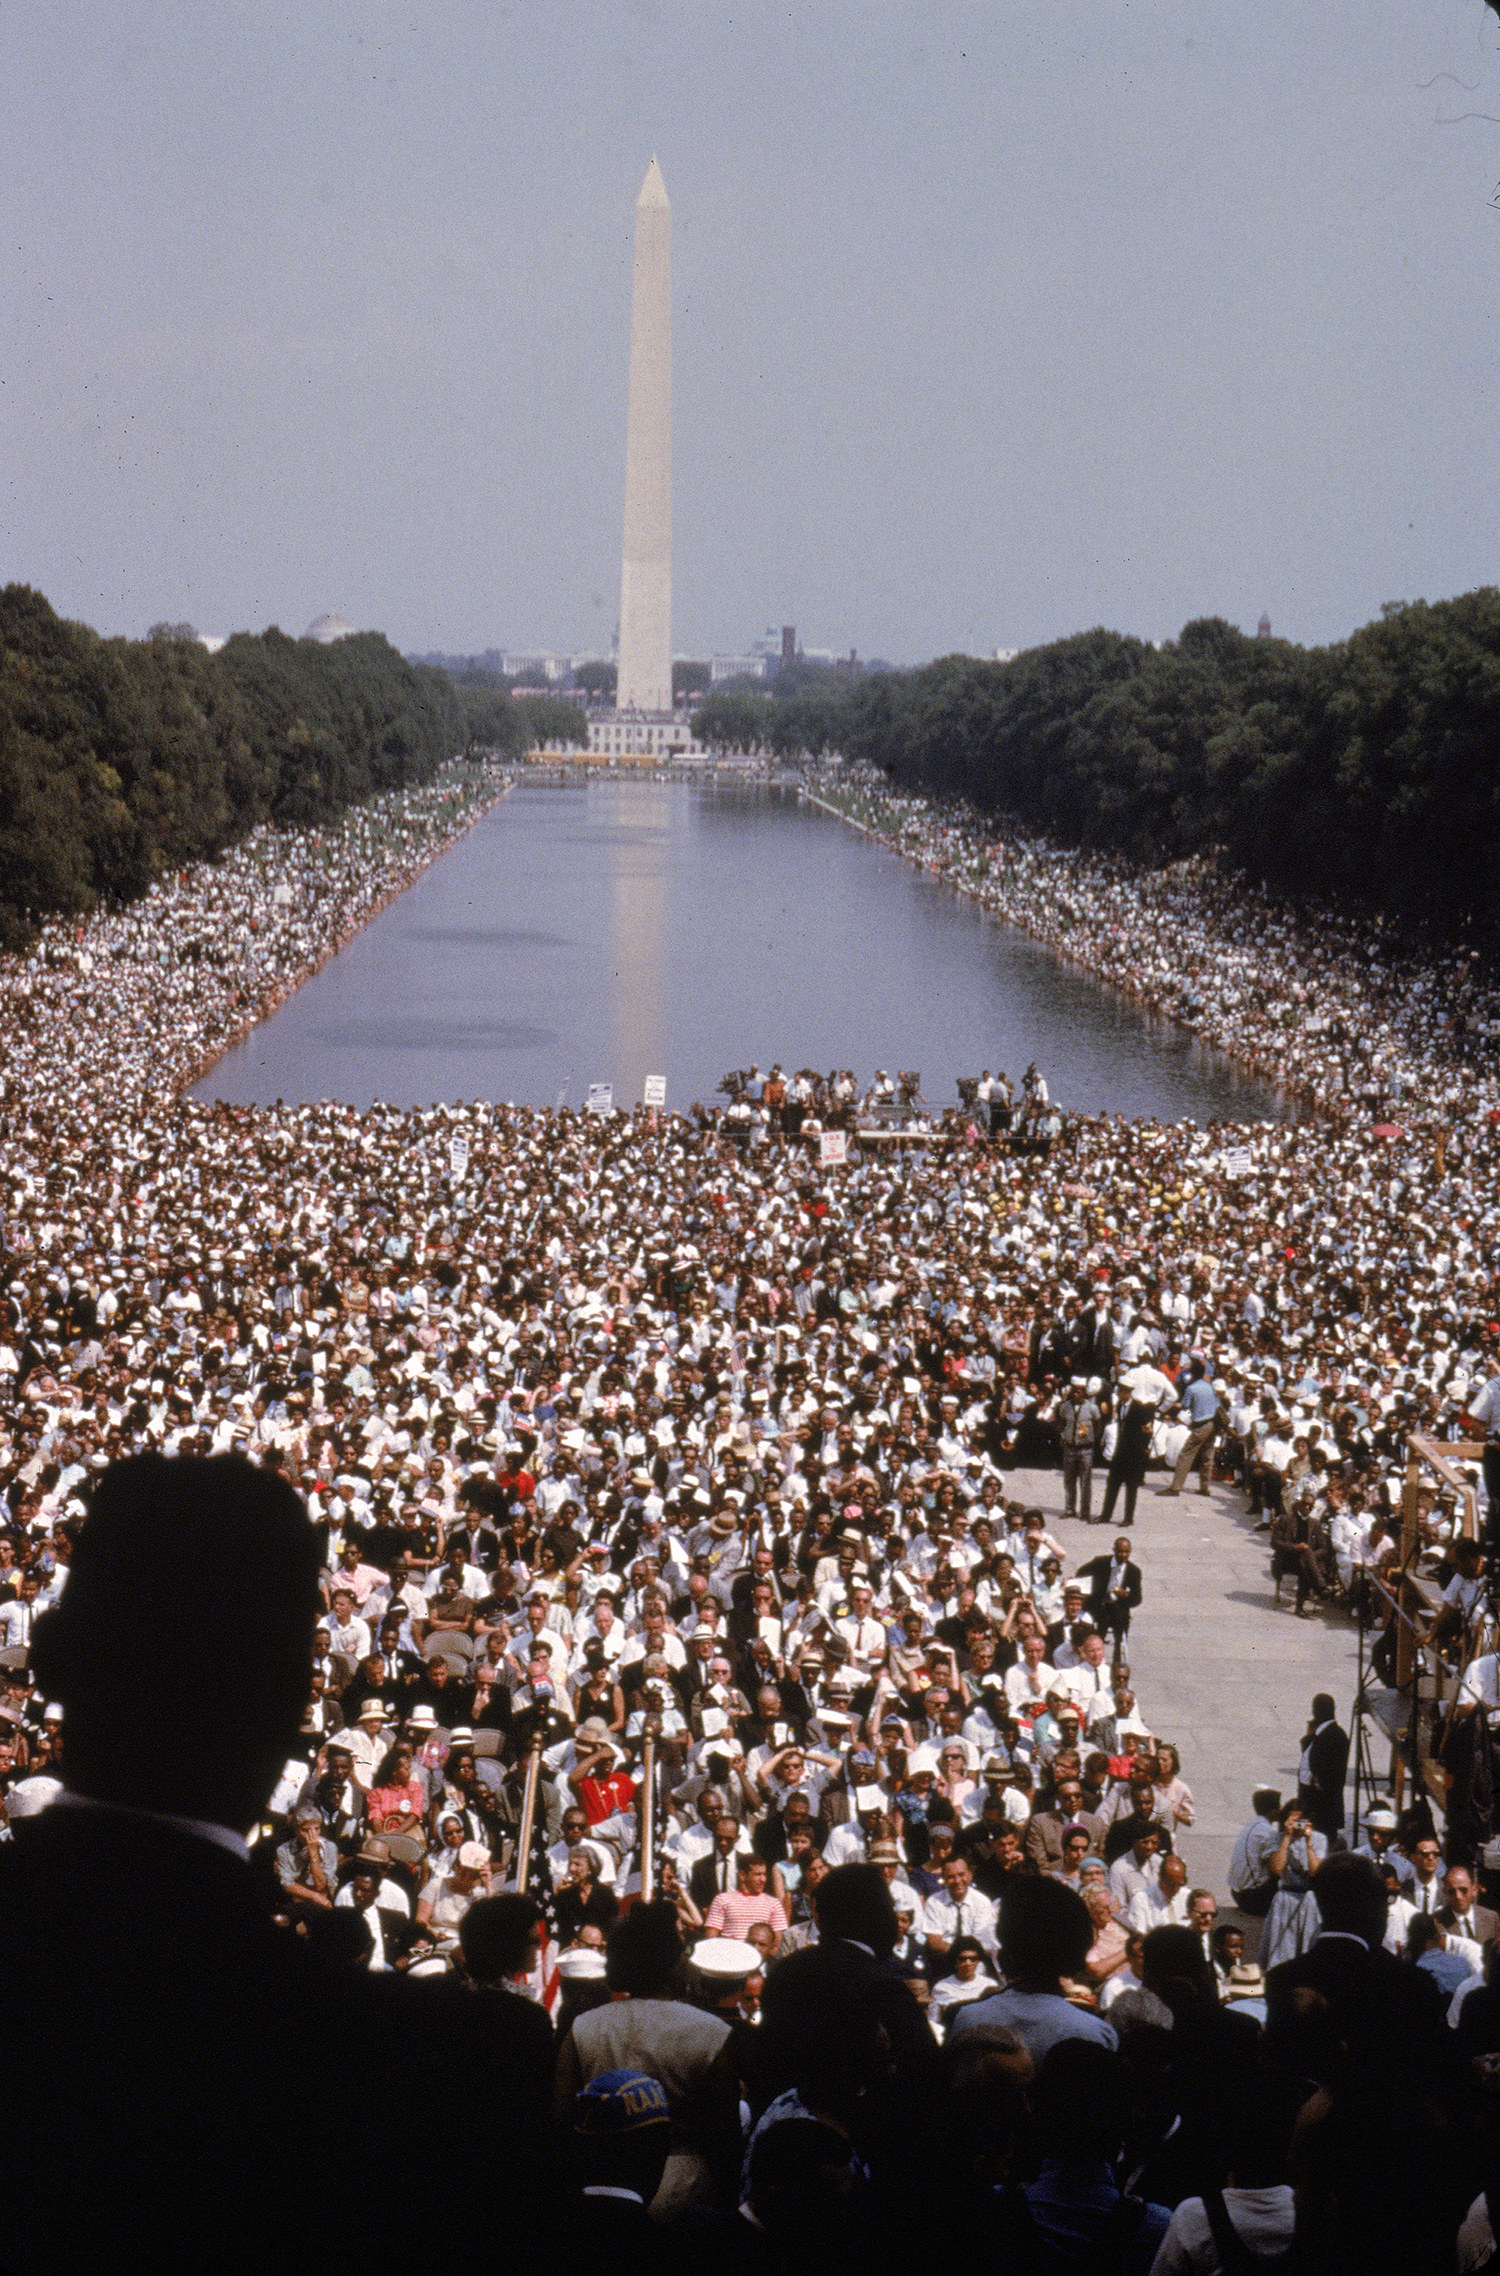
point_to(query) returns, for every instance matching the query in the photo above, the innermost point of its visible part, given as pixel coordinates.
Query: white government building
(618, 735)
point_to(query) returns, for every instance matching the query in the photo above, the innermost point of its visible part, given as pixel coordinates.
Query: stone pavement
(1216, 1666)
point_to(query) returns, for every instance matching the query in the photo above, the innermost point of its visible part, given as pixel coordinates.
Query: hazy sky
(992, 322)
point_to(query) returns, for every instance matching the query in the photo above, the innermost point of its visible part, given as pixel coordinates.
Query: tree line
(497, 719)
(123, 759)
(1367, 771)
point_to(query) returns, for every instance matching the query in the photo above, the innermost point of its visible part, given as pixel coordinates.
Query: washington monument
(645, 669)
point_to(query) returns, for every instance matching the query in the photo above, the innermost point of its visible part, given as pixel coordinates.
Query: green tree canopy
(734, 718)
(546, 720)
(120, 759)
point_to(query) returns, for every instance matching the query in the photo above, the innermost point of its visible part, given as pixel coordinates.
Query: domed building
(327, 629)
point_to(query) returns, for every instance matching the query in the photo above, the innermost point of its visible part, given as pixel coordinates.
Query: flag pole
(648, 1818)
(528, 1813)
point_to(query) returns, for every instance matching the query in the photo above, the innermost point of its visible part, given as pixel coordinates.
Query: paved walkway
(1217, 1667)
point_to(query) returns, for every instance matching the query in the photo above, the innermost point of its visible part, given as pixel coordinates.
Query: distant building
(1263, 629)
(643, 740)
(327, 629)
(789, 644)
(736, 668)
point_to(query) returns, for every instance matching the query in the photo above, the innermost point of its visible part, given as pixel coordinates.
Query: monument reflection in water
(625, 928)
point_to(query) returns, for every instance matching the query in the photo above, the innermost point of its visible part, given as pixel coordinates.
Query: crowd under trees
(1367, 771)
(121, 760)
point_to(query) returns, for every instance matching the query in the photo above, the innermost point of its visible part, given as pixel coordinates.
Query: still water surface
(623, 928)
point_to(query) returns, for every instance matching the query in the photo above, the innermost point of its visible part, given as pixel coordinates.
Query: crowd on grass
(639, 1428)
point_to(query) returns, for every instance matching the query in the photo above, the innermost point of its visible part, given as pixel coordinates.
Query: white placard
(654, 1091)
(833, 1148)
(601, 1098)
(458, 1157)
(1239, 1162)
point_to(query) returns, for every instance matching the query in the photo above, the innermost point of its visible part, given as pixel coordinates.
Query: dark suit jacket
(842, 1973)
(703, 1884)
(617, 2236)
(1093, 1351)
(1378, 2007)
(398, 1933)
(1323, 1798)
(176, 2051)
(1096, 1573)
(601, 1910)
(842, 1986)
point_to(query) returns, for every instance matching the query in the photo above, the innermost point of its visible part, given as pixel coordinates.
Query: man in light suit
(1463, 1914)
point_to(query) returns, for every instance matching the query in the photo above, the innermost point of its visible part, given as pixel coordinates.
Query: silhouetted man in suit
(187, 2059)
(1325, 1762)
(1345, 2001)
(845, 2000)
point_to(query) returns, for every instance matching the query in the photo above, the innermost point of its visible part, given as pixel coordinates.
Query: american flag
(544, 1983)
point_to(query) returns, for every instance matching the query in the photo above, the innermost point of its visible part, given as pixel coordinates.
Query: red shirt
(393, 1801)
(600, 1798)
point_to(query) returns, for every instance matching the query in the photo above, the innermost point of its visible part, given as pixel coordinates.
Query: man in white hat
(724, 1965)
(367, 1741)
(1379, 1842)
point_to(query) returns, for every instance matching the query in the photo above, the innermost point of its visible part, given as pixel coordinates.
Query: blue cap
(619, 2102)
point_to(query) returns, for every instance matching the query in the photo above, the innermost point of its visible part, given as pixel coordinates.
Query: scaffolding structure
(1414, 1716)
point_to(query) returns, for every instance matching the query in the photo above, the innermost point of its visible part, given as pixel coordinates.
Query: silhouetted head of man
(169, 1706)
(855, 1904)
(1350, 1895)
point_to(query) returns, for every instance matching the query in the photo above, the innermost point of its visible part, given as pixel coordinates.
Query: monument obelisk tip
(653, 188)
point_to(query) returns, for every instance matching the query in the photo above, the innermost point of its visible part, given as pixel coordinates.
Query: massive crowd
(621, 1429)
(1336, 1006)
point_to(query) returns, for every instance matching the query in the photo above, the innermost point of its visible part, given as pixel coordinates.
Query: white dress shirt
(1023, 1684)
(976, 1916)
(1149, 1909)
